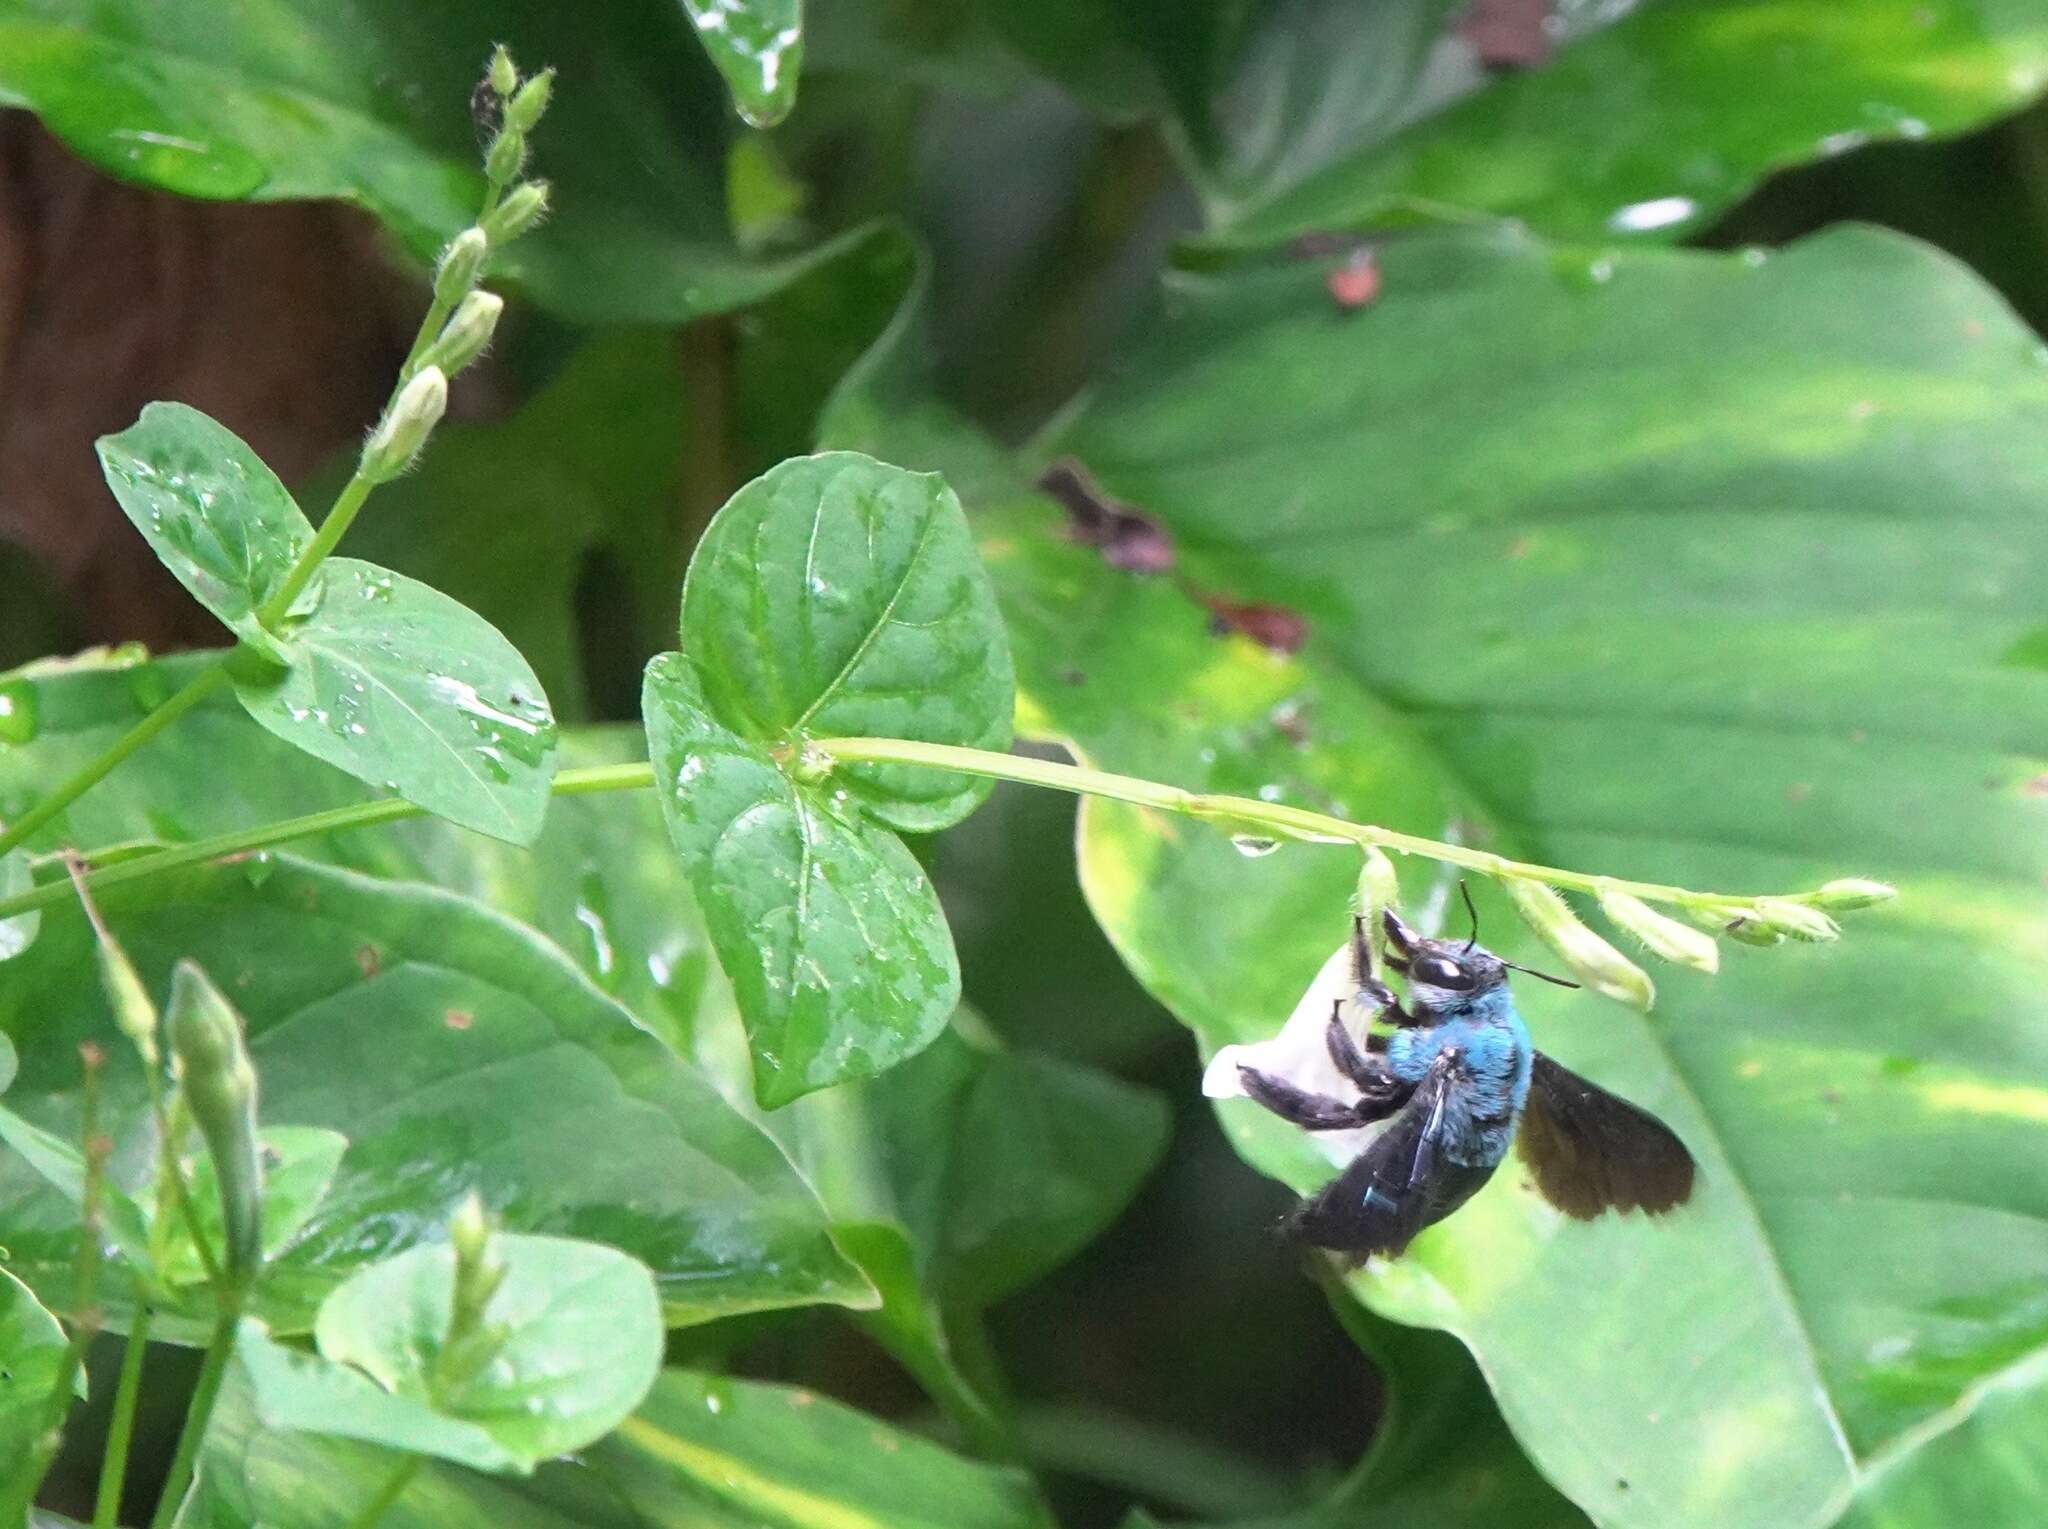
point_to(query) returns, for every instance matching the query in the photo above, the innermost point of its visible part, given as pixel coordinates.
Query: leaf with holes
(1576, 612)
(409, 690)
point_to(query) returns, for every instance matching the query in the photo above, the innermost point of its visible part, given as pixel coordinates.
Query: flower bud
(1751, 931)
(502, 73)
(406, 425)
(1379, 888)
(1796, 920)
(531, 103)
(472, 1340)
(1661, 936)
(462, 265)
(507, 157)
(1598, 964)
(219, 1085)
(466, 334)
(522, 208)
(133, 1010)
(1854, 892)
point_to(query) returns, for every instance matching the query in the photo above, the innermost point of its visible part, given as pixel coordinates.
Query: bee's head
(1441, 973)
(1448, 973)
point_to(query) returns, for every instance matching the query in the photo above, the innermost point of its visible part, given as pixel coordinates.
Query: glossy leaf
(32, 1345)
(299, 1393)
(19, 932)
(496, 1066)
(839, 596)
(582, 1340)
(275, 100)
(407, 689)
(1548, 616)
(758, 46)
(299, 1165)
(833, 940)
(210, 509)
(703, 1452)
(1649, 127)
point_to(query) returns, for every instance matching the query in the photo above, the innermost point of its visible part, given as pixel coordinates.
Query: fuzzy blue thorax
(1494, 1055)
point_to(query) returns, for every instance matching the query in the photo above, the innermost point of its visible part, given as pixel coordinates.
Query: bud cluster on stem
(212, 1063)
(472, 1340)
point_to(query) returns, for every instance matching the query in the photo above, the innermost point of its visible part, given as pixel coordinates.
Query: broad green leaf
(407, 689)
(19, 932)
(496, 1066)
(1650, 127)
(832, 937)
(1566, 602)
(274, 100)
(210, 509)
(32, 1345)
(582, 1339)
(296, 1392)
(703, 1452)
(299, 1164)
(59, 1163)
(1983, 1467)
(758, 45)
(836, 596)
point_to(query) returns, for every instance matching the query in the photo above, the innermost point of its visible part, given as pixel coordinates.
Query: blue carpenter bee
(1455, 1079)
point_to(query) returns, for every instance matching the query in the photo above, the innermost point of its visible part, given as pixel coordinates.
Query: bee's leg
(1312, 1112)
(1367, 1071)
(1373, 993)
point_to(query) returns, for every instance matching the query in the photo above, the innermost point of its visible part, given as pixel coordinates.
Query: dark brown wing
(1590, 1151)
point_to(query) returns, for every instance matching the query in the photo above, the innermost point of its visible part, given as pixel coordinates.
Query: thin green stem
(121, 1430)
(195, 690)
(347, 505)
(1243, 814)
(394, 1488)
(212, 1371)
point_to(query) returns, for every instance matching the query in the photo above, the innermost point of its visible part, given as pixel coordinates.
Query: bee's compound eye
(1440, 972)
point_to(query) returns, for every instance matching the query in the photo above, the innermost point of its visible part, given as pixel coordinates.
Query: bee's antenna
(1531, 971)
(1466, 892)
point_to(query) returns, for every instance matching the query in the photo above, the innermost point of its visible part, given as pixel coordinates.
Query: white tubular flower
(1300, 1053)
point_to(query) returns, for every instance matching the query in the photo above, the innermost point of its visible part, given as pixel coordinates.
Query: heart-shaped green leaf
(837, 596)
(32, 1345)
(1592, 627)
(496, 1067)
(833, 939)
(17, 933)
(210, 509)
(409, 690)
(582, 1340)
(299, 1164)
(758, 46)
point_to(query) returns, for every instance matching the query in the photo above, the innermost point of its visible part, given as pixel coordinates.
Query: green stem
(195, 690)
(121, 1430)
(212, 1371)
(1241, 814)
(389, 1493)
(347, 505)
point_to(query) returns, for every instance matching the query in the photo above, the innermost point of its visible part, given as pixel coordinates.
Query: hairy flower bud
(507, 156)
(472, 1340)
(406, 425)
(522, 208)
(1379, 888)
(1598, 964)
(502, 73)
(1752, 931)
(466, 334)
(1853, 892)
(530, 104)
(1661, 936)
(219, 1084)
(462, 265)
(1797, 920)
